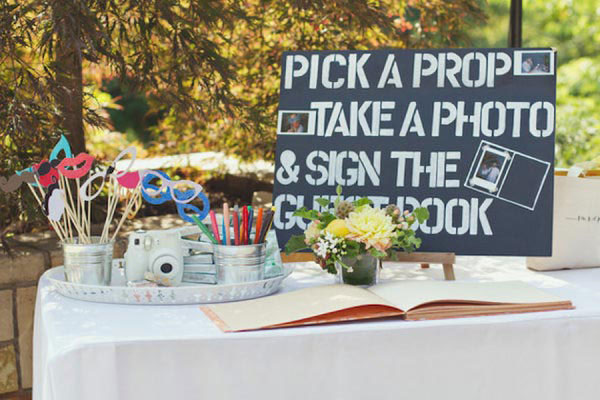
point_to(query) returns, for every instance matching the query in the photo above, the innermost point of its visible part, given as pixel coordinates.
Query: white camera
(166, 255)
(158, 252)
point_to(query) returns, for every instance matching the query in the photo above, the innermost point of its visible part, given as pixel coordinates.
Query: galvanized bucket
(88, 264)
(237, 264)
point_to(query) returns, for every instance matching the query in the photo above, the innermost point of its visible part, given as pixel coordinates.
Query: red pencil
(244, 225)
(213, 221)
(236, 229)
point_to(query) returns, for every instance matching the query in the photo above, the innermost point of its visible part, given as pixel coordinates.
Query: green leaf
(325, 219)
(362, 201)
(421, 213)
(376, 253)
(296, 243)
(308, 214)
(323, 202)
(338, 190)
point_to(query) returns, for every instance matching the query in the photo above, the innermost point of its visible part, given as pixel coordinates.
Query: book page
(407, 295)
(289, 307)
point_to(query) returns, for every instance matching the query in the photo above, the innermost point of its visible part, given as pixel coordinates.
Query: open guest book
(411, 300)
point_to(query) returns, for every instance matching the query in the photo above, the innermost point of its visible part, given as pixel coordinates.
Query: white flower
(350, 269)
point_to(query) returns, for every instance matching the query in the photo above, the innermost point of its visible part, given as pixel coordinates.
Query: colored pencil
(265, 224)
(215, 227)
(226, 219)
(259, 218)
(223, 230)
(236, 228)
(250, 218)
(204, 229)
(244, 225)
(268, 224)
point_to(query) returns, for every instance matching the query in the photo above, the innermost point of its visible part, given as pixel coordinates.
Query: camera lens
(166, 268)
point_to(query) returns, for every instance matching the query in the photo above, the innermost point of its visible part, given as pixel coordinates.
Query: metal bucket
(88, 264)
(237, 264)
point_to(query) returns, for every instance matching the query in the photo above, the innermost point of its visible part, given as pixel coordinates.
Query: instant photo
(534, 62)
(500, 172)
(296, 123)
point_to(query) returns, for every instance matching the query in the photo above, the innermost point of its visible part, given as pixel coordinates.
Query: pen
(226, 224)
(258, 225)
(236, 228)
(215, 227)
(250, 218)
(244, 225)
(204, 229)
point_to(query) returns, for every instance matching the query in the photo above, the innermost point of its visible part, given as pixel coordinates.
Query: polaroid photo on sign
(534, 62)
(296, 122)
(507, 175)
(490, 168)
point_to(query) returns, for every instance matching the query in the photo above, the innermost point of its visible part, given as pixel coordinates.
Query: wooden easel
(425, 259)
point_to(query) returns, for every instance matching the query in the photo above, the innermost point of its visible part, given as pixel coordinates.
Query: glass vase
(363, 270)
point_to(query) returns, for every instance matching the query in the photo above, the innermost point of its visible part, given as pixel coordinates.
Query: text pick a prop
(467, 133)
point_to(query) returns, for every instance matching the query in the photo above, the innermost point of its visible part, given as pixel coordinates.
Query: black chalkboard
(468, 133)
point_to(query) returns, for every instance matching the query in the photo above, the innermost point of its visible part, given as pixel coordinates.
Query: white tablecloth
(87, 351)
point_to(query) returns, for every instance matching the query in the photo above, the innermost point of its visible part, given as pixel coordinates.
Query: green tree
(571, 28)
(210, 66)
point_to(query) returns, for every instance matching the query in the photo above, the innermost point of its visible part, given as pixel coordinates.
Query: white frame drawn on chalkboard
(518, 66)
(310, 128)
(492, 187)
(513, 153)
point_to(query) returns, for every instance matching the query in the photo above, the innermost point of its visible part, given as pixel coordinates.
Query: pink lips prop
(81, 158)
(130, 180)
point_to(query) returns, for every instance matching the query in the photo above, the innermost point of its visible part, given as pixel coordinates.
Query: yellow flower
(371, 226)
(338, 228)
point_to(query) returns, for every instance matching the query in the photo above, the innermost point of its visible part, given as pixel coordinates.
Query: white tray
(120, 293)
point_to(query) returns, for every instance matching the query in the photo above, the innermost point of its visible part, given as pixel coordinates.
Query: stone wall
(30, 256)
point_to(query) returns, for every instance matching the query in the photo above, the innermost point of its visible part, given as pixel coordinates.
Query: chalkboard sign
(467, 133)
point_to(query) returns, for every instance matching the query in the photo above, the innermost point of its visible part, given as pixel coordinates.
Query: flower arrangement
(351, 229)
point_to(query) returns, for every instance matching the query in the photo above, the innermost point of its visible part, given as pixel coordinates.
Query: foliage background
(176, 76)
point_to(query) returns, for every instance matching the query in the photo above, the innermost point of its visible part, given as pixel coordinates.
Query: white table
(87, 351)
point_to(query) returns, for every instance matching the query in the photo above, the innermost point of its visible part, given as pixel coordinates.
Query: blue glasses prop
(167, 191)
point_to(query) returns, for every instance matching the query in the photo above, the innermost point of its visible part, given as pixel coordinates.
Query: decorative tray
(119, 293)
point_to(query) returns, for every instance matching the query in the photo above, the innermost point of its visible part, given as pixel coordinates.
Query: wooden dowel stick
(128, 207)
(58, 233)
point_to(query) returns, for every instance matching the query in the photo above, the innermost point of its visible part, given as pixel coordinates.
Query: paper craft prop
(168, 188)
(130, 180)
(62, 145)
(79, 170)
(407, 127)
(167, 191)
(54, 204)
(47, 172)
(14, 182)
(102, 175)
